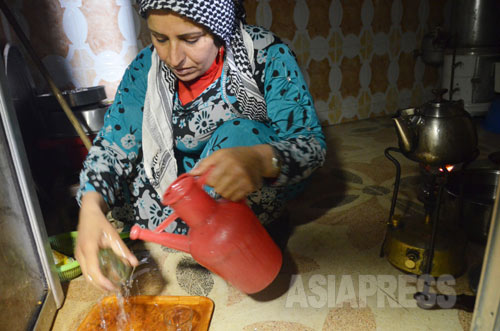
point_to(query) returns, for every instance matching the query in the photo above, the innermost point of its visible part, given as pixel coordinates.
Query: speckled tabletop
(339, 227)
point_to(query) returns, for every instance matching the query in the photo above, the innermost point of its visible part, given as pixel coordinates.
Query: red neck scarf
(188, 91)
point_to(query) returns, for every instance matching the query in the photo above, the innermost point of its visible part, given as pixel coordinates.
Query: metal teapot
(438, 133)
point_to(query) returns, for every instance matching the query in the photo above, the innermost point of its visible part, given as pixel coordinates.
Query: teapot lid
(440, 107)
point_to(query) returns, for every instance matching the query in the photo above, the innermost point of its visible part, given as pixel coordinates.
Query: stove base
(406, 243)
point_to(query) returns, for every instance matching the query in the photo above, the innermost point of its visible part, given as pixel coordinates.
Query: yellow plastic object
(65, 243)
(66, 267)
(69, 271)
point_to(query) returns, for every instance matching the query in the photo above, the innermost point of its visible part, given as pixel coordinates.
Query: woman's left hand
(235, 172)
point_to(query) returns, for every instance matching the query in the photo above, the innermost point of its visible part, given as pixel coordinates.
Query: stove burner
(408, 235)
(430, 176)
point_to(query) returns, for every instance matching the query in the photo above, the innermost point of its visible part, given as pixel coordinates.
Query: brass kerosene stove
(438, 135)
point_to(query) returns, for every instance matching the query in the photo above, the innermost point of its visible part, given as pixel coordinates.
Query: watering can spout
(171, 240)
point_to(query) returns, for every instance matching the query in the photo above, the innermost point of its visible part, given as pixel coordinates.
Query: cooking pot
(75, 98)
(469, 199)
(474, 23)
(87, 105)
(90, 117)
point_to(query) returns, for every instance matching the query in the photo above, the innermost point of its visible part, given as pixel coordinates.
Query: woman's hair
(217, 40)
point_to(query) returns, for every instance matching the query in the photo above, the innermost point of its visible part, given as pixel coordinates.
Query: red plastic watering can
(224, 236)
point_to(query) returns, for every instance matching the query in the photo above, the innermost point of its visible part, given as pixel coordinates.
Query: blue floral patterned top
(114, 165)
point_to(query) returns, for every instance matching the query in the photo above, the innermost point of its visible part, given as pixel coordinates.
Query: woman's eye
(191, 41)
(160, 39)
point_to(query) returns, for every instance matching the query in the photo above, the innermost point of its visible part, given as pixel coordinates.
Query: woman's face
(186, 48)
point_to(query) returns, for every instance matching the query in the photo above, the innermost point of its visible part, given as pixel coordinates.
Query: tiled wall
(81, 42)
(357, 55)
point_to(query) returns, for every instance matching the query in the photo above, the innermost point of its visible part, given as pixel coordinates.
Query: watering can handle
(200, 180)
(166, 222)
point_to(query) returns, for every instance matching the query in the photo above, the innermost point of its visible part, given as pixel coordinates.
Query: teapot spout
(176, 241)
(405, 134)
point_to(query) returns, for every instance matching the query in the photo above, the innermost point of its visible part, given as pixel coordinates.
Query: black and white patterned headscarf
(223, 18)
(217, 15)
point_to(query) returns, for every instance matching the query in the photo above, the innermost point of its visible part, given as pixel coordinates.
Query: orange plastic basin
(145, 312)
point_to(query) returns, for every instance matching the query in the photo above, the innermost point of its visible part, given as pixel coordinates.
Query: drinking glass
(179, 318)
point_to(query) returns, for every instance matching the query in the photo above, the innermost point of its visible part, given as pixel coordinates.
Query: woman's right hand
(95, 232)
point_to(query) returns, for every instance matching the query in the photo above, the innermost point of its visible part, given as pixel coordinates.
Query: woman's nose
(175, 55)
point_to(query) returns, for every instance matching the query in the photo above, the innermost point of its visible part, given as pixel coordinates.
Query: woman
(211, 95)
